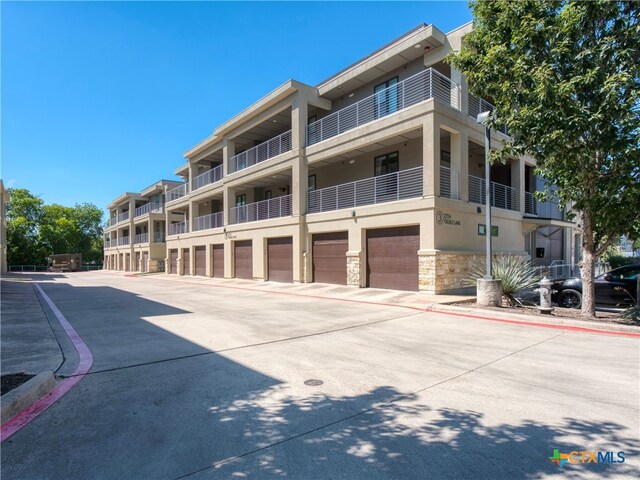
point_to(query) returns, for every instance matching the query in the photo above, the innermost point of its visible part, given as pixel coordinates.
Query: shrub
(631, 313)
(516, 273)
(616, 261)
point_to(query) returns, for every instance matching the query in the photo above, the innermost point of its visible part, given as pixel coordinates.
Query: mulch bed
(13, 380)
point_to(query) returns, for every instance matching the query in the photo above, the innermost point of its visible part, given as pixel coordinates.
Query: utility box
(65, 262)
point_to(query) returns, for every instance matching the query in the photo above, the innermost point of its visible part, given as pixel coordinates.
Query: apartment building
(372, 178)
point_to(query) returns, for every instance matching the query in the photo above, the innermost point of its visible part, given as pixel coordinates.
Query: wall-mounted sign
(482, 230)
(446, 219)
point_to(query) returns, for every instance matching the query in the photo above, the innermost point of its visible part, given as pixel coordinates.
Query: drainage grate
(313, 382)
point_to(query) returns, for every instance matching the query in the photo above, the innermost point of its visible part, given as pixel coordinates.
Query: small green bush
(516, 273)
(616, 261)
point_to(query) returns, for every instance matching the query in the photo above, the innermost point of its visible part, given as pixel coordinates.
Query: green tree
(24, 212)
(565, 79)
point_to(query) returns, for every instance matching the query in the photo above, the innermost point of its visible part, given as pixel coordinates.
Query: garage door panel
(280, 259)
(186, 261)
(217, 252)
(243, 253)
(392, 258)
(145, 259)
(330, 257)
(174, 260)
(201, 260)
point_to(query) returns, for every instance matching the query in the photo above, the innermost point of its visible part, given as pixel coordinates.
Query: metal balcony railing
(178, 228)
(213, 220)
(148, 208)
(111, 221)
(123, 240)
(141, 238)
(426, 84)
(380, 189)
(530, 204)
(123, 216)
(502, 196)
(110, 243)
(263, 210)
(178, 192)
(260, 153)
(478, 105)
(210, 176)
(158, 237)
(449, 183)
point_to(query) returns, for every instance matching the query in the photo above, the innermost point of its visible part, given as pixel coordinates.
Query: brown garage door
(173, 256)
(201, 260)
(186, 261)
(280, 259)
(392, 258)
(127, 262)
(137, 262)
(217, 252)
(330, 257)
(243, 254)
(145, 259)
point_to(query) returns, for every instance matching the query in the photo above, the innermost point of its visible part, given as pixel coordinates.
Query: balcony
(548, 209)
(530, 204)
(158, 237)
(178, 228)
(427, 84)
(148, 208)
(449, 183)
(478, 105)
(123, 216)
(205, 222)
(141, 238)
(383, 188)
(110, 243)
(260, 153)
(502, 196)
(123, 240)
(111, 221)
(178, 192)
(263, 210)
(211, 176)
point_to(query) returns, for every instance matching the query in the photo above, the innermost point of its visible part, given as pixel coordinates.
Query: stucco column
(456, 163)
(228, 151)
(461, 91)
(464, 166)
(300, 185)
(356, 264)
(299, 120)
(431, 156)
(517, 180)
(228, 201)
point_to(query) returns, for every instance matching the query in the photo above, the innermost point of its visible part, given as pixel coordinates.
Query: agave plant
(632, 313)
(516, 273)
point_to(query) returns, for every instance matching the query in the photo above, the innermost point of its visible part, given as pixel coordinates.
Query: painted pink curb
(86, 360)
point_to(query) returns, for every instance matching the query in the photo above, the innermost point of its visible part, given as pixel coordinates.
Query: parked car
(616, 288)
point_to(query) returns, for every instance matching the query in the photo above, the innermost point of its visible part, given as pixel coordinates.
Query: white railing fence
(123, 216)
(383, 188)
(260, 153)
(142, 238)
(426, 84)
(502, 196)
(210, 176)
(178, 192)
(478, 105)
(178, 228)
(147, 208)
(204, 222)
(449, 183)
(263, 210)
(123, 240)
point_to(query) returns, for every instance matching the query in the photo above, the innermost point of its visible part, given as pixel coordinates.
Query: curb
(585, 325)
(29, 392)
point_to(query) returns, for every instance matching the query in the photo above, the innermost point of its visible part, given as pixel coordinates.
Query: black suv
(616, 288)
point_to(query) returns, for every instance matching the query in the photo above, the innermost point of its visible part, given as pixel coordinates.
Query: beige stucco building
(374, 177)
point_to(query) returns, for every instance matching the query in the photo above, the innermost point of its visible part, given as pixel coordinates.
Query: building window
(241, 200)
(386, 185)
(241, 213)
(268, 195)
(312, 183)
(384, 164)
(386, 98)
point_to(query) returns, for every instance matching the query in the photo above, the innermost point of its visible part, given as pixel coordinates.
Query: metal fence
(123, 216)
(210, 176)
(383, 188)
(449, 183)
(502, 196)
(45, 268)
(426, 84)
(158, 237)
(559, 271)
(260, 153)
(178, 192)
(178, 228)
(263, 210)
(147, 208)
(123, 240)
(141, 238)
(478, 105)
(213, 220)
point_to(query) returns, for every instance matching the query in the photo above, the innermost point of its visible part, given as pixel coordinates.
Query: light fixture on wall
(353, 160)
(351, 95)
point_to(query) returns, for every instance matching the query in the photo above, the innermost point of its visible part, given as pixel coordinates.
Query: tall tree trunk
(588, 264)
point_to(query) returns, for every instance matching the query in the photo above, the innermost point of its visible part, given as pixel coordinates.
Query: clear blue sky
(103, 98)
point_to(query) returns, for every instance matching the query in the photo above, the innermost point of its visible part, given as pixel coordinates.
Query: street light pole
(483, 118)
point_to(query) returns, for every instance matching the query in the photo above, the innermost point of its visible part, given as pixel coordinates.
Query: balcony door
(386, 184)
(386, 97)
(241, 201)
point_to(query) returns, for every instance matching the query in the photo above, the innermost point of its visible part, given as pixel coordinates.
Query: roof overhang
(158, 187)
(125, 196)
(182, 169)
(535, 222)
(408, 47)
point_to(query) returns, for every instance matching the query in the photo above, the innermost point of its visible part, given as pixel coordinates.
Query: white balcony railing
(449, 183)
(178, 228)
(502, 196)
(123, 216)
(427, 84)
(383, 188)
(158, 237)
(148, 208)
(178, 192)
(260, 153)
(110, 243)
(210, 176)
(213, 220)
(478, 105)
(123, 240)
(263, 210)
(141, 238)
(112, 221)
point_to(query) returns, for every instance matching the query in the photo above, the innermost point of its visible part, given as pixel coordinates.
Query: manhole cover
(313, 382)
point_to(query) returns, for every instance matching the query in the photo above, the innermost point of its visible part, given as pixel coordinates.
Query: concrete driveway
(195, 380)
